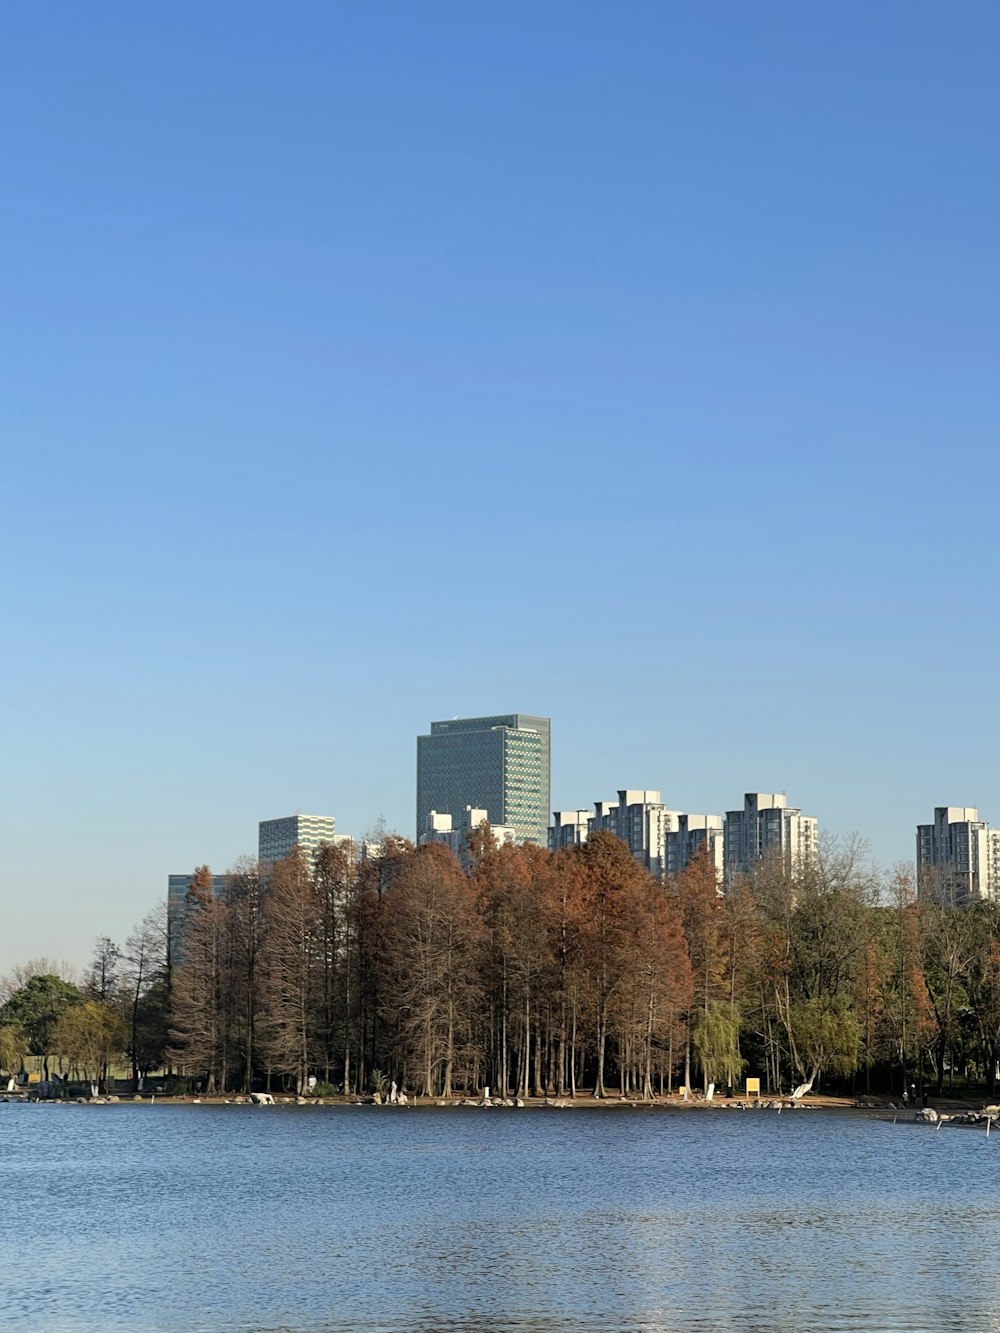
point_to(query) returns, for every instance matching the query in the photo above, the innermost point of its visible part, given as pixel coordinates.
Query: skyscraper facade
(498, 764)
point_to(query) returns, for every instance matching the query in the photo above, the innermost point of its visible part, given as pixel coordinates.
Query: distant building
(662, 840)
(768, 827)
(178, 907)
(498, 764)
(642, 821)
(694, 832)
(568, 829)
(958, 857)
(277, 838)
(455, 833)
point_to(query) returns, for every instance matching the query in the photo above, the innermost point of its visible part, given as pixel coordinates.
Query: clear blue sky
(368, 364)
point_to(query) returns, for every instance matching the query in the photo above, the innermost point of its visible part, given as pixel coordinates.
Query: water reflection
(323, 1221)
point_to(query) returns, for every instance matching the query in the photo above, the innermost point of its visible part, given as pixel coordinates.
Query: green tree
(950, 947)
(826, 1038)
(715, 1035)
(696, 890)
(89, 1035)
(983, 985)
(13, 1049)
(36, 1008)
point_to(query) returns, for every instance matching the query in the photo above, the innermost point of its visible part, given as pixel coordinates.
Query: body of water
(328, 1219)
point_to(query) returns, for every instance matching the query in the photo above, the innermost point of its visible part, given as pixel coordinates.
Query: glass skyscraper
(497, 764)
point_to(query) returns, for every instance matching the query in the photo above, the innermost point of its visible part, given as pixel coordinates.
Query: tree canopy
(36, 1009)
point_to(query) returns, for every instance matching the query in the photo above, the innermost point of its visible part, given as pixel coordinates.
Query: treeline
(536, 973)
(118, 1012)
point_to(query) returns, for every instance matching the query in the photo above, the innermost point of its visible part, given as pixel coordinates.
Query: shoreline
(868, 1106)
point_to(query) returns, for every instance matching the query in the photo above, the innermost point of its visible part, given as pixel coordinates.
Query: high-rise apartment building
(568, 829)
(498, 764)
(958, 857)
(642, 821)
(692, 834)
(455, 833)
(278, 837)
(660, 839)
(768, 826)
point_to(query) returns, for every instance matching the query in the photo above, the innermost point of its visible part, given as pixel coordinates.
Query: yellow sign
(34, 1078)
(753, 1087)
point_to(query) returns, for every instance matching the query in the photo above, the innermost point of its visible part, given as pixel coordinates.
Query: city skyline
(416, 361)
(318, 828)
(957, 858)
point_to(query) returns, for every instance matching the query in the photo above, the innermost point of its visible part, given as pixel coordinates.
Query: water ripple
(190, 1219)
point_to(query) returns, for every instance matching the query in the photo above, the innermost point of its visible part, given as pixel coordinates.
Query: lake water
(328, 1219)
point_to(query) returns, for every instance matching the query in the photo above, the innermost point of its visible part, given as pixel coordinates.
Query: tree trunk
(647, 1084)
(449, 1059)
(504, 1058)
(572, 1056)
(599, 1081)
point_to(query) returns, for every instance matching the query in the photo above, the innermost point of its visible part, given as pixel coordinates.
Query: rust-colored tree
(287, 1029)
(429, 985)
(333, 877)
(373, 1033)
(199, 987)
(511, 887)
(655, 994)
(612, 884)
(245, 895)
